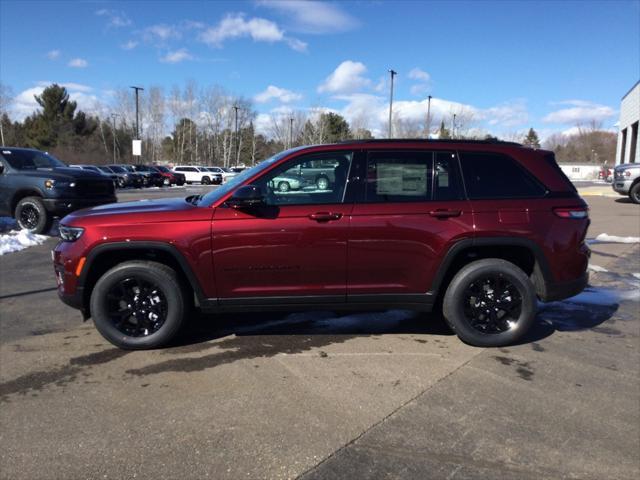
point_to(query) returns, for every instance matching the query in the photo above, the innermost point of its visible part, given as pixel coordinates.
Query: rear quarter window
(495, 176)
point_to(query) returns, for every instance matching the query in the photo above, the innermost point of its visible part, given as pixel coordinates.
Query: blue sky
(504, 66)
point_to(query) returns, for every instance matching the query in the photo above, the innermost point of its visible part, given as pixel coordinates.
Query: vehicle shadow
(623, 200)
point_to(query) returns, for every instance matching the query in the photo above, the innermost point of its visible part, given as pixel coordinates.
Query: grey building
(628, 151)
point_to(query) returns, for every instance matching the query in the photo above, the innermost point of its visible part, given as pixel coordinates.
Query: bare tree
(6, 98)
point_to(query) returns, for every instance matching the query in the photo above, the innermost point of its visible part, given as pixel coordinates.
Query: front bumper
(622, 186)
(63, 206)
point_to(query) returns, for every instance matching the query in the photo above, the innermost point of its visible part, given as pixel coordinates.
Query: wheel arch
(106, 256)
(23, 193)
(522, 252)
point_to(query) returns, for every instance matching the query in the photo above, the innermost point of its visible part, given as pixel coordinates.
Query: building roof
(631, 89)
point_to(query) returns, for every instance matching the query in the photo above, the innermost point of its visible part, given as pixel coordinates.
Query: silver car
(626, 180)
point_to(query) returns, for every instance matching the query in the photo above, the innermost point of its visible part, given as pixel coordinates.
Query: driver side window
(307, 180)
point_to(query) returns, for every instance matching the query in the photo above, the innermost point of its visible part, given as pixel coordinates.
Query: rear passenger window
(446, 178)
(398, 177)
(492, 175)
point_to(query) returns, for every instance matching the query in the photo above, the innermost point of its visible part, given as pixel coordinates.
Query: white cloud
(114, 18)
(177, 56)
(24, 104)
(508, 114)
(275, 93)
(312, 16)
(418, 74)
(235, 26)
(346, 78)
(53, 54)
(130, 45)
(579, 111)
(160, 33)
(78, 63)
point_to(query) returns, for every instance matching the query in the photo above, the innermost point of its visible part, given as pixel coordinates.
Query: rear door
(410, 211)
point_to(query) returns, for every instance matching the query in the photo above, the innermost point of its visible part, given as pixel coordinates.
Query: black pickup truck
(36, 186)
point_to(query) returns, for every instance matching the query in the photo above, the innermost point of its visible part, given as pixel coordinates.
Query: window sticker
(404, 179)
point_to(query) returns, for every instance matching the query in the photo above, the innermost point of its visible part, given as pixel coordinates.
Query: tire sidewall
(168, 284)
(43, 216)
(453, 305)
(634, 193)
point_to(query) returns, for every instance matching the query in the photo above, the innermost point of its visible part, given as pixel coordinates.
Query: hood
(626, 166)
(161, 205)
(62, 174)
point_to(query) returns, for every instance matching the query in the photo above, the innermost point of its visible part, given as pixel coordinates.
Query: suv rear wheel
(139, 305)
(490, 303)
(32, 216)
(206, 181)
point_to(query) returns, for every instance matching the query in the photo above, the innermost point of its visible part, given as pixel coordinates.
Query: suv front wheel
(139, 305)
(490, 303)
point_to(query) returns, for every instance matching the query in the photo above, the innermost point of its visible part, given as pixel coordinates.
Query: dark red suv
(480, 229)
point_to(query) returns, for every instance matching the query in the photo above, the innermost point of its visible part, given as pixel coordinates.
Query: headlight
(70, 234)
(50, 183)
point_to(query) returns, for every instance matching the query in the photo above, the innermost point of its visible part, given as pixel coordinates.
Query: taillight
(572, 212)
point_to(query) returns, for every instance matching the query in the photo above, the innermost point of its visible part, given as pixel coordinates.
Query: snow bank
(606, 238)
(17, 240)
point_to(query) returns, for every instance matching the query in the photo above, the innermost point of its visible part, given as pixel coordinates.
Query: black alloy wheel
(492, 304)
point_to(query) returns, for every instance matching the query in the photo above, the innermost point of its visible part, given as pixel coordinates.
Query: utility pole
(113, 134)
(235, 108)
(453, 127)
(290, 132)
(393, 74)
(428, 125)
(137, 89)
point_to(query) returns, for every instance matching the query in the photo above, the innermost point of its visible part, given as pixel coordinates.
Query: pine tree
(443, 133)
(531, 140)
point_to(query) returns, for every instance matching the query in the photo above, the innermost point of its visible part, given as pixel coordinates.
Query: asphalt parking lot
(326, 394)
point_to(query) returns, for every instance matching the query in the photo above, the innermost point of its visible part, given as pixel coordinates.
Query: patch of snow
(597, 268)
(606, 238)
(637, 275)
(17, 240)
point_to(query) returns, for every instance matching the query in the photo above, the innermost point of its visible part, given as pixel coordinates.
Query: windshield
(117, 169)
(128, 168)
(162, 169)
(105, 169)
(30, 159)
(141, 168)
(215, 195)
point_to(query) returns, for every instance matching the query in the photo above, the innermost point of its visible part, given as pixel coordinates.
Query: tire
(32, 216)
(206, 181)
(121, 182)
(166, 182)
(164, 287)
(284, 187)
(322, 183)
(482, 277)
(634, 193)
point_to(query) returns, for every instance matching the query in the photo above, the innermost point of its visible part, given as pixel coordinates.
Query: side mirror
(247, 196)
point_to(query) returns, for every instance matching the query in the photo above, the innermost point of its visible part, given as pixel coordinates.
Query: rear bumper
(561, 290)
(63, 206)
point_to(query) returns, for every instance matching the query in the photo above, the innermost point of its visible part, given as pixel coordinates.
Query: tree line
(202, 129)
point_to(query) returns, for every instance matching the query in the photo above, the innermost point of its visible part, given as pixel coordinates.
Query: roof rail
(424, 140)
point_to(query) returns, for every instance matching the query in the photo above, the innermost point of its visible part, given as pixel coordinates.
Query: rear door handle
(445, 213)
(325, 216)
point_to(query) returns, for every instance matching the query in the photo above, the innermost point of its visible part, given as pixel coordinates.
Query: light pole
(453, 127)
(393, 74)
(137, 89)
(235, 108)
(428, 129)
(290, 132)
(113, 134)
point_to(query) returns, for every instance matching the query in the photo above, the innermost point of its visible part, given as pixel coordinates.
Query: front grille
(94, 188)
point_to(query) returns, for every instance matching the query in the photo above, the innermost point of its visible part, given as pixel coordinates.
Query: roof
(630, 90)
(434, 141)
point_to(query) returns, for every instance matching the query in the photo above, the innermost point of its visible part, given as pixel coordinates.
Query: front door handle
(325, 216)
(441, 213)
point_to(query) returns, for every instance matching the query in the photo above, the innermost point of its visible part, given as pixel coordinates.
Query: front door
(294, 246)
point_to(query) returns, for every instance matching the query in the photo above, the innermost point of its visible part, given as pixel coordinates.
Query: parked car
(126, 178)
(152, 177)
(626, 180)
(170, 178)
(404, 224)
(605, 174)
(97, 169)
(194, 174)
(216, 176)
(35, 187)
(284, 183)
(225, 173)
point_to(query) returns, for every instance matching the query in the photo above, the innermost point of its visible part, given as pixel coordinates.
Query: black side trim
(541, 267)
(143, 245)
